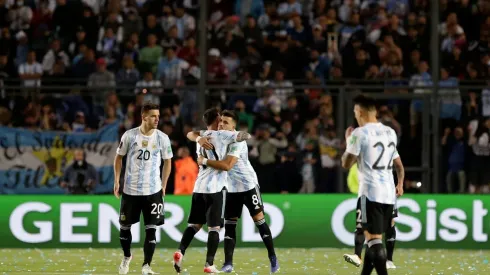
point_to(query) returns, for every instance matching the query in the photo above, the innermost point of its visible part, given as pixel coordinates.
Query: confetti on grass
(247, 261)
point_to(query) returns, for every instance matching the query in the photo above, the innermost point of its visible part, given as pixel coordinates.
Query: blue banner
(36, 162)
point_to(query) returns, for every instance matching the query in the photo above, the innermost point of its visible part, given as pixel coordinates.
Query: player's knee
(391, 234)
(196, 227)
(377, 249)
(151, 232)
(260, 222)
(214, 229)
(231, 223)
(125, 228)
(392, 222)
(230, 228)
(359, 236)
(258, 217)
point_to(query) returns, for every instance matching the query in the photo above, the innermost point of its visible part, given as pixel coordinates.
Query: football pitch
(250, 261)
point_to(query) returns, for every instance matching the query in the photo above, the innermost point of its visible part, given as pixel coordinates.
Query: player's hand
(399, 191)
(348, 132)
(204, 142)
(199, 160)
(116, 189)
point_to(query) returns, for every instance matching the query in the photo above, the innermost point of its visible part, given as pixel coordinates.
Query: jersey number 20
(143, 154)
(377, 165)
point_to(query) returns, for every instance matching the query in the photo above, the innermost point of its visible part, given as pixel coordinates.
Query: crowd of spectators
(148, 49)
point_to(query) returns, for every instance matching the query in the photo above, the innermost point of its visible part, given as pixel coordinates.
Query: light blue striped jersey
(145, 154)
(210, 180)
(242, 176)
(375, 144)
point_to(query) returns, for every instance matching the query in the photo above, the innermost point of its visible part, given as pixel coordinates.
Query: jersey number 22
(377, 165)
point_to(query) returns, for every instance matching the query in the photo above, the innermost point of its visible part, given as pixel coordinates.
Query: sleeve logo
(353, 140)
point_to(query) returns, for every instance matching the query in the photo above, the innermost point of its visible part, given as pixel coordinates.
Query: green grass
(247, 261)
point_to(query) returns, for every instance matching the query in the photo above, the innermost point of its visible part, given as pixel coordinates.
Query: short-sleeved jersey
(242, 176)
(145, 154)
(375, 144)
(210, 180)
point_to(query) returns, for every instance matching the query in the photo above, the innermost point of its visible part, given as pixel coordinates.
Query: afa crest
(123, 217)
(144, 143)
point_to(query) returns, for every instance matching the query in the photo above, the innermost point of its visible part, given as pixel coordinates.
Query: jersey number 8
(144, 154)
(376, 165)
(255, 200)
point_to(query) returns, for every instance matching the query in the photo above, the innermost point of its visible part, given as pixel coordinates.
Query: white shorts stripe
(223, 206)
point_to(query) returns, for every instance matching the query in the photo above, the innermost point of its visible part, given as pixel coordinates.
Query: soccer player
(209, 196)
(373, 146)
(359, 238)
(143, 189)
(243, 190)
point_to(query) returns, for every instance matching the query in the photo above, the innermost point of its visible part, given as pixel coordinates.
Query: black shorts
(151, 206)
(251, 199)
(208, 209)
(374, 217)
(359, 214)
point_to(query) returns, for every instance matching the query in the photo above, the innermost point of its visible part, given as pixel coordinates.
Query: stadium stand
(86, 64)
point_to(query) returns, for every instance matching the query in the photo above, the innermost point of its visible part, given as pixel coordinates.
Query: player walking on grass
(143, 189)
(243, 189)
(209, 197)
(359, 238)
(373, 146)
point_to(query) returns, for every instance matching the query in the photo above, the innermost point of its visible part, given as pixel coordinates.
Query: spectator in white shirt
(108, 47)
(115, 22)
(283, 88)
(152, 89)
(168, 19)
(20, 16)
(185, 23)
(31, 71)
(170, 68)
(54, 53)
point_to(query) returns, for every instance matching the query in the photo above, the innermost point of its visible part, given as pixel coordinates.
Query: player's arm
(167, 155)
(400, 175)
(229, 137)
(353, 148)
(224, 165)
(227, 163)
(348, 160)
(122, 150)
(195, 136)
(166, 170)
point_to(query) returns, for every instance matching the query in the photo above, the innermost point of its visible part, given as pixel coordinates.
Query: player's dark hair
(365, 102)
(148, 106)
(209, 116)
(232, 114)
